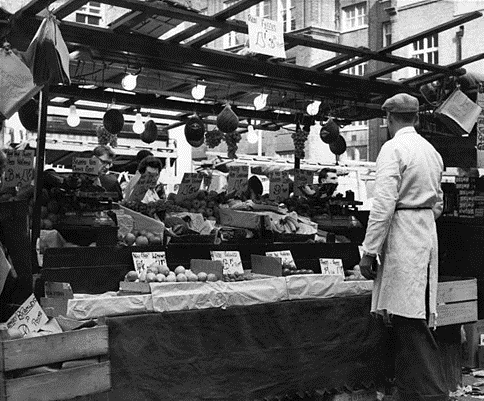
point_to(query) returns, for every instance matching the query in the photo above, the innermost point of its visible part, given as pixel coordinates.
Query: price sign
(333, 267)
(86, 165)
(145, 182)
(286, 257)
(238, 179)
(20, 167)
(279, 186)
(266, 36)
(302, 178)
(189, 186)
(142, 260)
(29, 317)
(230, 260)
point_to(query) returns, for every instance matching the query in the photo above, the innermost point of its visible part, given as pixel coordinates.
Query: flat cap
(401, 103)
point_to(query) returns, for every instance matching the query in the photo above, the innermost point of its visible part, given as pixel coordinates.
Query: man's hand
(366, 267)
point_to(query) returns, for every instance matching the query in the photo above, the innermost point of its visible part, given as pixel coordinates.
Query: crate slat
(61, 385)
(456, 313)
(457, 290)
(36, 351)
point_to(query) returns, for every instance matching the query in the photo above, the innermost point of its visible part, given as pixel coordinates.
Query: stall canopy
(165, 44)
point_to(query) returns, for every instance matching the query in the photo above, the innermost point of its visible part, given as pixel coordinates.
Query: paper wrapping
(251, 292)
(355, 287)
(313, 286)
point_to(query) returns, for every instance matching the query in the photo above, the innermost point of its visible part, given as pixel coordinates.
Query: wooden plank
(61, 385)
(456, 313)
(36, 351)
(457, 290)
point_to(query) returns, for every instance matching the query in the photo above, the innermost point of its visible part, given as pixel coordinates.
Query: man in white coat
(402, 233)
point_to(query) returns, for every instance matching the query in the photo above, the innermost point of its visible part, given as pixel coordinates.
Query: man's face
(152, 170)
(106, 163)
(331, 178)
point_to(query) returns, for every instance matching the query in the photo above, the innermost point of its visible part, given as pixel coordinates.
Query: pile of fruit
(156, 273)
(285, 225)
(291, 270)
(142, 238)
(234, 277)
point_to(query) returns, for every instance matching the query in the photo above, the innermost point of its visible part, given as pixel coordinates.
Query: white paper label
(230, 260)
(333, 267)
(286, 257)
(20, 167)
(29, 317)
(266, 36)
(142, 260)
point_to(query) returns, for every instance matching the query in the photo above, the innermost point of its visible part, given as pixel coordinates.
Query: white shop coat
(408, 175)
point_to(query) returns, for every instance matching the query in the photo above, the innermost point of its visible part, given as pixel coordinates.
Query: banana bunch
(286, 225)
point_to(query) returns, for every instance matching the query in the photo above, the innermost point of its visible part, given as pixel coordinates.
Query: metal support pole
(39, 172)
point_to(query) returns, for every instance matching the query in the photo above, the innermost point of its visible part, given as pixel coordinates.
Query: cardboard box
(243, 219)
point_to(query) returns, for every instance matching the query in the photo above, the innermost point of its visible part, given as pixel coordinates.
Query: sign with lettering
(86, 165)
(145, 182)
(333, 267)
(302, 178)
(286, 257)
(189, 186)
(142, 260)
(20, 167)
(29, 317)
(266, 36)
(279, 186)
(238, 179)
(230, 259)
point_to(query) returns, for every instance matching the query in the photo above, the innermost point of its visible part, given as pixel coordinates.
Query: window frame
(353, 19)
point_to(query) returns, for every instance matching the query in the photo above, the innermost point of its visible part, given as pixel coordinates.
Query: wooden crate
(456, 300)
(62, 384)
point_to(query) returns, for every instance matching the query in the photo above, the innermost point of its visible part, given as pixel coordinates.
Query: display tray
(280, 237)
(82, 235)
(193, 239)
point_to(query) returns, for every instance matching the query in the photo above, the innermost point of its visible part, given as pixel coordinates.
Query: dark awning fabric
(245, 353)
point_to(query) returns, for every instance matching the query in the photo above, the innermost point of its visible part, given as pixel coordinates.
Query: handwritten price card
(238, 179)
(266, 36)
(302, 178)
(145, 182)
(29, 317)
(230, 260)
(279, 186)
(142, 260)
(286, 257)
(189, 186)
(332, 267)
(20, 167)
(86, 165)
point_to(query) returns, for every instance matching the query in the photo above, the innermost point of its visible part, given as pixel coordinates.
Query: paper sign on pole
(29, 317)
(333, 267)
(286, 257)
(238, 179)
(145, 182)
(302, 178)
(189, 186)
(279, 186)
(20, 167)
(266, 36)
(86, 165)
(230, 259)
(142, 260)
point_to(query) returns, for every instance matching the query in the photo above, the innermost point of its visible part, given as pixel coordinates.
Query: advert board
(86, 165)
(20, 168)
(271, 266)
(302, 178)
(207, 266)
(286, 257)
(266, 36)
(332, 267)
(29, 317)
(145, 182)
(279, 186)
(238, 179)
(230, 260)
(142, 260)
(189, 186)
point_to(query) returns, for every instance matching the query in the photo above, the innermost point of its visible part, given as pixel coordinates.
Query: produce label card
(189, 186)
(333, 267)
(142, 260)
(230, 260)
(20, 167)
(302, 178)
(145, 182)
(29, 317)
(86, 165)
(286, 257)
(279, 186)
(238, 179)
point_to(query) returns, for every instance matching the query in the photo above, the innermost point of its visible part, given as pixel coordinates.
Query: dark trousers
(413, 358)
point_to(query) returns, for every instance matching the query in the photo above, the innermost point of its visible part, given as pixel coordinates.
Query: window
(386, 34)
(285, 11)
(359, 69)
(426, 49)
(354, 16)
(90, 13)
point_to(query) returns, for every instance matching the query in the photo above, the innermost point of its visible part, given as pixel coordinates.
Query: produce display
(159, 274)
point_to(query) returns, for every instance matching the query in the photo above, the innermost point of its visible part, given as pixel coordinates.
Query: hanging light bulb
(138, 126)
(313, 108)
(129, 81)
(73, 119)
(198, 91)
(252, 136)
(260, 101)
